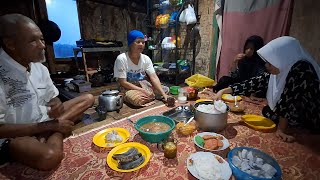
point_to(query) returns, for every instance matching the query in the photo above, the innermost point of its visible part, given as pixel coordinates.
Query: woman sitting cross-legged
(245, 65)
(135, 73)
(293, 87)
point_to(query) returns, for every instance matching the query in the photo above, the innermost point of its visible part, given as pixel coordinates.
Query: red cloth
(83, 160)
(269, 22)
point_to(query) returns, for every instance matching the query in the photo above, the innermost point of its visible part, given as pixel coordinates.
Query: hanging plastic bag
(182, 17)
(190, 16)
(199, 81)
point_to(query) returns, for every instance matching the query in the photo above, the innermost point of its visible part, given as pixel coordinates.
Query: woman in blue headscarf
(133, 68)
(293, 86)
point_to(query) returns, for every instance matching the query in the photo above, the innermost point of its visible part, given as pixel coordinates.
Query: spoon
(235, 102)
(189, 121)
(147, 129)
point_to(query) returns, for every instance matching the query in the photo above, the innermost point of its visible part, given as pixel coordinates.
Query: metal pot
(110, 100)
(210, 122)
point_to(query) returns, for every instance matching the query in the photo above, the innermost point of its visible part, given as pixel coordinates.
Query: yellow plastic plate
(230, 98)
(99, 138)
(202, 100)
(258, 122)
(144, 150)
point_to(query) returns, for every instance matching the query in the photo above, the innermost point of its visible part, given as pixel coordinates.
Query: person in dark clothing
(245, 65)
(293, 86)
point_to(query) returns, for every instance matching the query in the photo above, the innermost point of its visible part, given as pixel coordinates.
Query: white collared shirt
(23, 94)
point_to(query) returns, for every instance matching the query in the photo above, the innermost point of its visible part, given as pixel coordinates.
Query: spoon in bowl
(139, 127)
(189, 121)
(235, 102)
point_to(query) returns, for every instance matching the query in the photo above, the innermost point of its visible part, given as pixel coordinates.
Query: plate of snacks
(211, 141)
(128, 157)
(206, 165)
(111, 137)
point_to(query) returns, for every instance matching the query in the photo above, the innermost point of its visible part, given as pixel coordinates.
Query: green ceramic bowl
(154, 137)
(174, 90)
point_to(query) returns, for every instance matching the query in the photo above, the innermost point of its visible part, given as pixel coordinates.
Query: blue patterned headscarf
(133, 35)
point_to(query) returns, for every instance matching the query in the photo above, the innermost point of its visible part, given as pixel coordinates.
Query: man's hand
(64, 126)
(57, 108)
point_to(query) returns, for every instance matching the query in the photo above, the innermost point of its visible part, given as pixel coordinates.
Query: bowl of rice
(211, 115)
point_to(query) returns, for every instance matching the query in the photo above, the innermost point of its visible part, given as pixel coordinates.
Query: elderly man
(33, 121)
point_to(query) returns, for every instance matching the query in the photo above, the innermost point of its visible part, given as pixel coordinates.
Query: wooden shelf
(85, 50)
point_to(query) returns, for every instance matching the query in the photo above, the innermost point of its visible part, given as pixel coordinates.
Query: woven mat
(83, 160)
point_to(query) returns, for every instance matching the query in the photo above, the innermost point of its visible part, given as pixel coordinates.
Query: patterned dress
(299, 101)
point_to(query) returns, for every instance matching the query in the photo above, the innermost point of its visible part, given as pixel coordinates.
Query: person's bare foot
(284, 137)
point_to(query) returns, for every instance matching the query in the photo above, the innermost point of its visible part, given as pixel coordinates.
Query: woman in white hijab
(293, 88)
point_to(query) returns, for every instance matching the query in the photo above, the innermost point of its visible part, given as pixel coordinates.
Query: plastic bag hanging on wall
(182, 17)
(190, 16)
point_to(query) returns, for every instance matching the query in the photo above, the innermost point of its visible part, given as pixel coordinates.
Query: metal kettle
(109, 100)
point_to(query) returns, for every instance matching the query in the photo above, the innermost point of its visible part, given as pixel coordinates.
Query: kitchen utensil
(223, 165)
(135, 124)
(230, 98)
(224, 140)
(182, 97)
(258, 122)
(239, 174)
(110, 100)
(99, 138)
(179, 114)
(210, 122)
(154, 137)
(192, 93)
(189, 121)
(169, 147)
(144, 150)
(235, 102)
(174, 90)
(201, 100)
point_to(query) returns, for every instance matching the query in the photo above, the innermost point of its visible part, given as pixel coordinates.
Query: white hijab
(283, 53)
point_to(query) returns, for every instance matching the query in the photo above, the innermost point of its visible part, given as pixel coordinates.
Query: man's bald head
(21, 38)
(10, 23)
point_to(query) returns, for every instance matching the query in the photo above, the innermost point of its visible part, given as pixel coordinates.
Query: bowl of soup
(155, 129)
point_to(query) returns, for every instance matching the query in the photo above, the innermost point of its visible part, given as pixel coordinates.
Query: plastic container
(192, 93)
(182, 97)
(174, 90)
(154, 137)
(241, 175)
